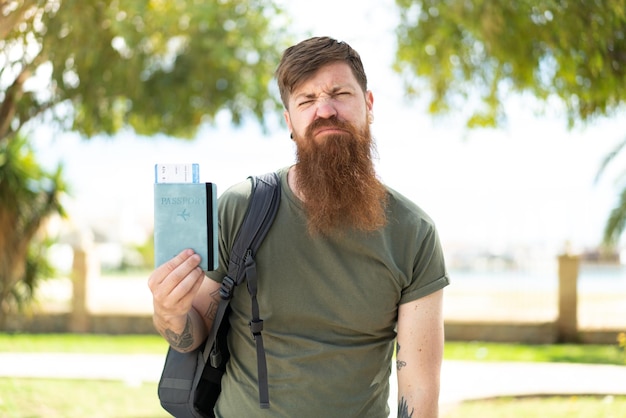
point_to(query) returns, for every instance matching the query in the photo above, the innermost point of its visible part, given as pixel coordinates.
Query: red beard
(336, 176)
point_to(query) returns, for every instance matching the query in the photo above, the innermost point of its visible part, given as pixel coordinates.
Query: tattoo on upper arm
(399, 363)
(403, 409)
(184, 339)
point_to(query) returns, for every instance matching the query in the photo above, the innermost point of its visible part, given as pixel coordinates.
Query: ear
(288, 120)
(369, 104)
(369, 101)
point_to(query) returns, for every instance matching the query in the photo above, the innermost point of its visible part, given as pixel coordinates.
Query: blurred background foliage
(168, 67)
(474, 54)
(96, 67)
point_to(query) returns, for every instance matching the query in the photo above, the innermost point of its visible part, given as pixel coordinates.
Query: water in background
(592, 278)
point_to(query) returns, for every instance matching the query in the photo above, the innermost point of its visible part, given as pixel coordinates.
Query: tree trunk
(13, 257)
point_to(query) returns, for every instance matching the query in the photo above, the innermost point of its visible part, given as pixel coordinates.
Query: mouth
(324, 127)
(329, 130)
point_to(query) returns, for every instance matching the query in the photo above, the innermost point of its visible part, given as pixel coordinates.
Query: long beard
(337, 179)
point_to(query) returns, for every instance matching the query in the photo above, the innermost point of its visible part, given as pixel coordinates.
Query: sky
(527, 185)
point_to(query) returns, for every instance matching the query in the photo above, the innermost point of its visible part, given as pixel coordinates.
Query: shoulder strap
(257, 222)
(262, 209)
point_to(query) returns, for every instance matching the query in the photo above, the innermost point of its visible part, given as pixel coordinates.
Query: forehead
(329, 77)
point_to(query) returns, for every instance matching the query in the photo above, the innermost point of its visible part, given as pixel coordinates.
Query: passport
(185, 216)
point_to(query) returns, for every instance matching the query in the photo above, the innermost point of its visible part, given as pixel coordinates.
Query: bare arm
(419, 356)
(182, 299)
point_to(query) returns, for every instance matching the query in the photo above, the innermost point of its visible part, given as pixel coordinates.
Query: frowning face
(332, 93)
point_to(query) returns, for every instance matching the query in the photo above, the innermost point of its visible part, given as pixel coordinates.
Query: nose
(326, 109)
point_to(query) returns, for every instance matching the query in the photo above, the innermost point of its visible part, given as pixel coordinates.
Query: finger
(178, 260)
(182, 294)
(162, 272)
(182, 277)
(189, 284)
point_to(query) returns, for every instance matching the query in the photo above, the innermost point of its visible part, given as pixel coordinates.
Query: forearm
(419, 356)
(183, 333)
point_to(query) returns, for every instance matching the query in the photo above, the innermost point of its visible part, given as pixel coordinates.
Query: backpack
(191, 382)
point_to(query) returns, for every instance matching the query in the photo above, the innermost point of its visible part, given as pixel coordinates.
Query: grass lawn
(21, 398)
(55, 398)
(554, 353)
(83, 343)
(154, 344)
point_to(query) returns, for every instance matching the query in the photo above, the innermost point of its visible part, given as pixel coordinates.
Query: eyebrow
(313, 95)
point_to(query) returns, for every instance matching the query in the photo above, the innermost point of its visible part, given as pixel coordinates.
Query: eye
(342, 94)
(305, 103)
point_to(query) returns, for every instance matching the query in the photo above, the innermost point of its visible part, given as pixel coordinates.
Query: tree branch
(9, 21)
(9, 105)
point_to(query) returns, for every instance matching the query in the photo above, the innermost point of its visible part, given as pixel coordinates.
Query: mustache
(332, 122)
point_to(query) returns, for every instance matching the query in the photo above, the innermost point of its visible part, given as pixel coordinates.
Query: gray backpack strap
(262, 209)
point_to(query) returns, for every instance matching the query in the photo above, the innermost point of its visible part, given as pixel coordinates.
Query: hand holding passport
(185, 214)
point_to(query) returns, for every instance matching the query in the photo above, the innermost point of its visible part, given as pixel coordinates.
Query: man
(348, 267)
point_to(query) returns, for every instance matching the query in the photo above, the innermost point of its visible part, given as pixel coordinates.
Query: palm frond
(616, 223)
(609, 158)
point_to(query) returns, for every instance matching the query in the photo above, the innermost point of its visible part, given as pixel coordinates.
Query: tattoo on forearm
(403, 409)
(212, 309)
(184, 339)
(399, 363)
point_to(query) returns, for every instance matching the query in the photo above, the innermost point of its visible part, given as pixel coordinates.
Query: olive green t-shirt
(329, 306)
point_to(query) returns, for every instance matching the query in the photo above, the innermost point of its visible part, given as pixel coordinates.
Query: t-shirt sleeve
(429, 270)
